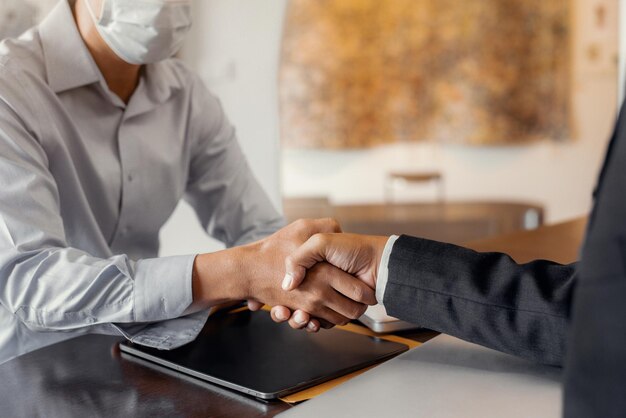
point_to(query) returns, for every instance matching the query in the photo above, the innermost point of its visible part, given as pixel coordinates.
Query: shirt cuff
(383, 269)
(163, 288)
(165, 335)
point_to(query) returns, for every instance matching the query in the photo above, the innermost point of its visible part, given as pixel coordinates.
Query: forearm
(67, 289)
(485, 298)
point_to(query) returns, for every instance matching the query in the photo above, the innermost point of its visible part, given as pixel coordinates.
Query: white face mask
(143, 31)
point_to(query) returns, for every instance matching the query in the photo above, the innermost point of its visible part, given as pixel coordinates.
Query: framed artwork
(359, 73)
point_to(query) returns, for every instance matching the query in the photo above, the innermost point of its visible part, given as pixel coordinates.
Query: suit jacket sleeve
(485, 298)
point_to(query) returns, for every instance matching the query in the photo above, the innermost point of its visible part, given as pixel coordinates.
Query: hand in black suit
(485, 298)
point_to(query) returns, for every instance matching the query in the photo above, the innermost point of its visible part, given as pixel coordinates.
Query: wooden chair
(415, 178)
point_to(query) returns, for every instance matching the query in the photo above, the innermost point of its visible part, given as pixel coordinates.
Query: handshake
(312, 274)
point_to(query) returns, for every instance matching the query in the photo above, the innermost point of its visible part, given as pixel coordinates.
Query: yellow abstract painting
(358, 73)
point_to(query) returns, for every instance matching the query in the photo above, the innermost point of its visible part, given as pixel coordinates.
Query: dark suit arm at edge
(484, 298)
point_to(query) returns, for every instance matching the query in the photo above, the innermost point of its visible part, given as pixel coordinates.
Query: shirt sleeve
(383, 269)
(50, 285)
(230, 203)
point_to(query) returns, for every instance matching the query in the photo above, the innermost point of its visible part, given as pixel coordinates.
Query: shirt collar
(158, 83)
(68, 62)
(162, 80)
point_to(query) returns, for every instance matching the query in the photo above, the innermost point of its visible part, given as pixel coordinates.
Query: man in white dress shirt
(101, 135)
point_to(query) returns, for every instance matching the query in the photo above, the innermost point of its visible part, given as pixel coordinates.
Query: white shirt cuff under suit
(383, 269)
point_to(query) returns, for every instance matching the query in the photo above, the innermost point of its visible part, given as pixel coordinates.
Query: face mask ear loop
(91, 12)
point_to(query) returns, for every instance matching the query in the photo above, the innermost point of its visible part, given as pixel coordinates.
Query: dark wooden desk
(85, 377)
(456, 222)
(560, 242)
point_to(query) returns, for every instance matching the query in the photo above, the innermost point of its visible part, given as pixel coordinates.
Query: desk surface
(86, 376)
(560, 242)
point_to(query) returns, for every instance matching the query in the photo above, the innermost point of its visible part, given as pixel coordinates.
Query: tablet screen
(248, 352)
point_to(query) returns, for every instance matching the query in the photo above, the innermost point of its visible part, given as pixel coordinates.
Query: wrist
(220, 277)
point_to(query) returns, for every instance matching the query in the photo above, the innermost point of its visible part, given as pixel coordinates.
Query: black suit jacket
(595, 370)
(529, 309)
(485, 298)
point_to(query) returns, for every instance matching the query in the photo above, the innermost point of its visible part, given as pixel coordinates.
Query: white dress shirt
(86, 183)
(383, 269)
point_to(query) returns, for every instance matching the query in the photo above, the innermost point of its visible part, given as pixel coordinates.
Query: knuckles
(290, 260)
(363, 295)
(333, 224)
(358, 294)
(323, 271)
(311, 305)
(357, 311)
(319, 240)
(312, 225)
(301, 224)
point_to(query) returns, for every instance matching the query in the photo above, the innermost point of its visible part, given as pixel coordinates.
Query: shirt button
(129, 177)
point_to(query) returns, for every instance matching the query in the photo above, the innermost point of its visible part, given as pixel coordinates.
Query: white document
(376, 319)
(445, 377)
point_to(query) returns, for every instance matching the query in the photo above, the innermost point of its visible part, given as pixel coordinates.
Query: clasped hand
(330, 278)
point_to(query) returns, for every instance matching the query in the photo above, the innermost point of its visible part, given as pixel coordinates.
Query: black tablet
(248, 352)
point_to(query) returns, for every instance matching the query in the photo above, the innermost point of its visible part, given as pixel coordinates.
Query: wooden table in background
(84, 377)
(560, 242)
(455, 222)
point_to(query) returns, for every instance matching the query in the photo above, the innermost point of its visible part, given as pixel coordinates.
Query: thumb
(309, 254)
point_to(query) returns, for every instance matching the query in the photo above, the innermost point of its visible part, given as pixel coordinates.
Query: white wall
(234, 46)
(560, 176)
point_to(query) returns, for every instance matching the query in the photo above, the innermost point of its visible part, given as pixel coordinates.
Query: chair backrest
(397, 181)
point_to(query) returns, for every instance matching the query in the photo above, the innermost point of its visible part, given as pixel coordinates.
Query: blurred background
(448, 119)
